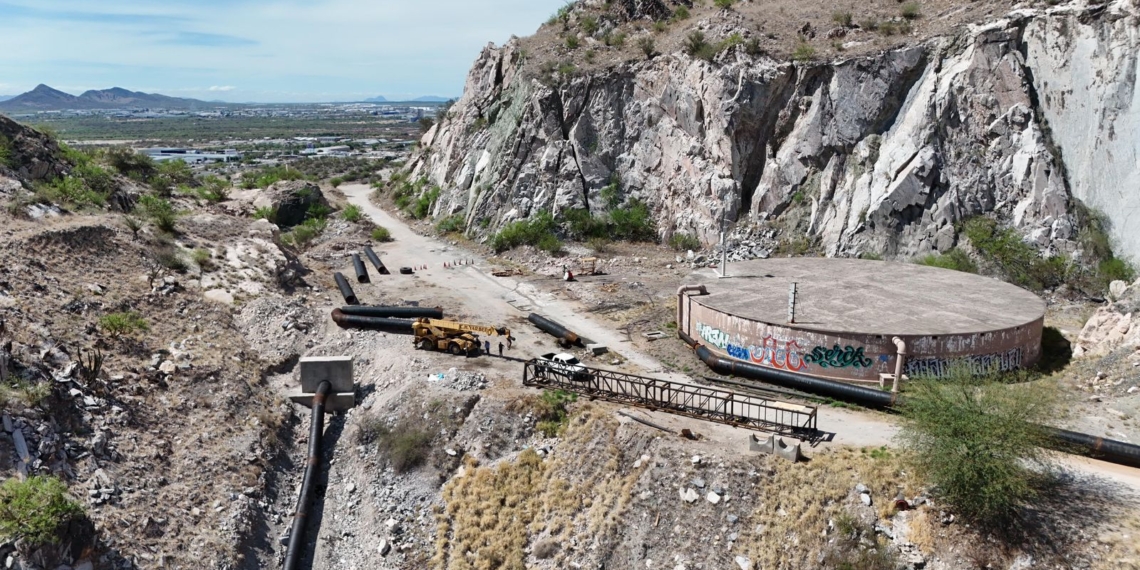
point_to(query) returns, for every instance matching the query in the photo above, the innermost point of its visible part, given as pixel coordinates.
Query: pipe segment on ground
(393, 312)
(397, 326)
(1063, 440)
(361, 271)
(546, 325)
(371, 255)
(309, 483)
(345, 289)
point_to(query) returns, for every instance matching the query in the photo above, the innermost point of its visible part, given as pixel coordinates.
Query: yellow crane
(452, 336)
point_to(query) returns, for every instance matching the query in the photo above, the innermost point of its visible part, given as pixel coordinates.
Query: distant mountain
(431, 99)
(6, 97)
(44, 98)
(377, 99)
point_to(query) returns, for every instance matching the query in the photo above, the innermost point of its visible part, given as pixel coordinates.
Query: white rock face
(882, 153)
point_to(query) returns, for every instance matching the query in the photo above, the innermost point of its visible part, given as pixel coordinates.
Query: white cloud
(222, 88)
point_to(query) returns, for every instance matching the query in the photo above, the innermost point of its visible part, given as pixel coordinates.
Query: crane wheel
(424, 344)
(455, 349)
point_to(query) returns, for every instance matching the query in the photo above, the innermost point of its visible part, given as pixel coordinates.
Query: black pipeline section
(345, 289)
(1064, 440)
(393, 312)
(371, 255)
(397, 326)
(309, 484)
(565, 335)
(361, 271)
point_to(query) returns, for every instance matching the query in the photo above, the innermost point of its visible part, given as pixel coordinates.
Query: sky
(256, 50)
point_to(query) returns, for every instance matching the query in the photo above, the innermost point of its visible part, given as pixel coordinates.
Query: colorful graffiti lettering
(785, 355)
(839, 357)
(771, 354)
(977, 364)
(713, 336)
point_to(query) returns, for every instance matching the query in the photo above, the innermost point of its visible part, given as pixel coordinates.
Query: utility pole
(723, 245)
(792, 303)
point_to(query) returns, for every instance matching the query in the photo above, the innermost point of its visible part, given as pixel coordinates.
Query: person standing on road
(500, 348)
(486, 347)
(510, 339)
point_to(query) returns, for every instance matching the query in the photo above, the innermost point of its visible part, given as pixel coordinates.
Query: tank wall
(857, 357)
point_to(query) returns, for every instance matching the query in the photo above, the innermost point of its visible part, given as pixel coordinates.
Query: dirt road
(496, 299)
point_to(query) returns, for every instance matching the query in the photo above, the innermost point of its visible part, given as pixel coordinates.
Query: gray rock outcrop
(881, 153)
(291, 200)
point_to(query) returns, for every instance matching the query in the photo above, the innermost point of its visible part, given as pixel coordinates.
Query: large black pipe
(1109, 450)
(371, 255)
(345, 289)
(309, 483)
(565, 335)
(397, 326)
(393, 312)
(361, 271)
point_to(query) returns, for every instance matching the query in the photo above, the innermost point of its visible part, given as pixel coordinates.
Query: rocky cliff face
(879, 153)
(27, 156)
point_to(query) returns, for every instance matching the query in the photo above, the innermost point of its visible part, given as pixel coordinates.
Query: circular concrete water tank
(848, 312)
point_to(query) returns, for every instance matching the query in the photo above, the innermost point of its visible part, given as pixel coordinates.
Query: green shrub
(7, 153)
(599, 244)
(633, 222)
(131, 164)
(1114, 269)
(175, 171)
(955, 259)
(95, 178)
(160, 211)
(351, 213)
(723, 3)
(910, 10)
(681, 13)
(407, 445)
(213, 189)
(616, 39)
(1014, 258)
(803, 53)
(452, 223)
(695, 45)
(869, 24)
(381, 234)
(583, 225)
(589, 25)
(133, 225)
(660, 26)
(305, 233)
(169, 256)
(684, 242)
(36, 510)
(979, 442)
(537, 231)
(572, 42)
(17, 389)
(119, 324)
(888, 28)
(336, 182)
(70, 191)
(423, 205)
(842, 18)
(647, 46)
(551, 411)
(566, 69)
(202, 258)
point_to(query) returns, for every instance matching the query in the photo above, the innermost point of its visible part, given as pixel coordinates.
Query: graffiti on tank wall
(782, 354)
(977, 364)
(839, 357)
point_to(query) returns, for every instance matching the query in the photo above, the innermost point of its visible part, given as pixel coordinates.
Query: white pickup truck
(565, 365)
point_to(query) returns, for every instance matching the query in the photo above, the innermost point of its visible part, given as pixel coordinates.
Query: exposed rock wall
(27, 156)
(880, 153)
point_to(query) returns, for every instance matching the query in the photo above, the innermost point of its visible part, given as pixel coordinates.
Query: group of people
(487, 345)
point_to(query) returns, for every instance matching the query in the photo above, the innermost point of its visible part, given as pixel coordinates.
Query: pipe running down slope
(1064, 440)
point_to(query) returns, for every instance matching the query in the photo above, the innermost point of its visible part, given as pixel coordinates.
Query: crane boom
(455, 326)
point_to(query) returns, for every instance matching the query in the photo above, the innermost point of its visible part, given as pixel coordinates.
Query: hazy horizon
(242, 51)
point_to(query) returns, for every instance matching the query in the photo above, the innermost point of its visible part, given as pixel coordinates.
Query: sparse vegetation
(160, 211)
(681, 13)
(550, 411)
(723, 4)
(589, 25)
(267, 213)
(955, 259)
(351, 213)
(452, 223)
(647, 46)
(306, 232)
(381, 234)
(979, 441)
(36, 510)
(17, 389)
(684, 242)
(202, 258)
(213, 189)
(910, 10)
(843, 18)
(120, 324)
(537, 231)
(695, 45)
(132, 224)
(7, 152)
(572, 42)
(803, 53)
(1016, 260)
(406, 445)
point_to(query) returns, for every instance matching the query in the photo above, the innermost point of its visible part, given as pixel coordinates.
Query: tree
(980, 442)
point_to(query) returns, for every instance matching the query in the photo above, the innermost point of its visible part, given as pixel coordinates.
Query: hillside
(44, 98)
(874, 131)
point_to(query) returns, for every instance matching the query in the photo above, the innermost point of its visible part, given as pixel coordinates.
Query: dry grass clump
(494, 512)
(793, 518)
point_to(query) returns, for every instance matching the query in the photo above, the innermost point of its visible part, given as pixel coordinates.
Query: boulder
(291, 200)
